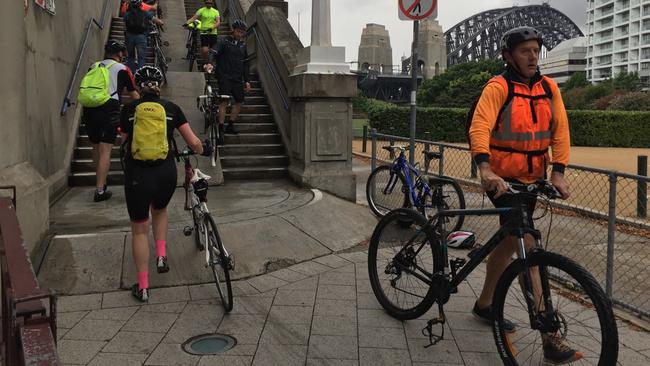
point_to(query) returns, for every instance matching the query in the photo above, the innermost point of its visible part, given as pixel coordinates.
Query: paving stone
(377, 319)
(285, 334)
(241, 350)
(627, 356)
(241, 288)
(364, 287)
(337, 278)
(466, 321)
(375, 356)
(344, 308)
(331, 362)
(266, 282)
(413, 329)
(295, 297)
(356, 257)
(171, 354)
(469, 341)
(172, 307)
(118, 359)
(368, 301)
(287, 355)
(204, 291)
(332, 260)
(460, 304)
(481, 358)
(336, 292)
(361, 271)
(310, 268)
(95, 330)
(382, 338)
(291, 314)
(334, 326)
(119, 299)
(60, 332)
(219, 360)
(245, 328)
(133, 342)
(70, 319)
(168, 294)
(195, 320)
(113, 314)
(78, 352)
(252, 305)
(444, 351)
(78, 303)
(338, 347)
(145, 321)
(288, 275)
(310, 283)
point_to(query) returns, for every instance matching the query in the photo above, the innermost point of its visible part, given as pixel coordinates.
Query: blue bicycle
(400, 185)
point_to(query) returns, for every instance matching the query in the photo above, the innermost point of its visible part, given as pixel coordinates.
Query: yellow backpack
(150, 141)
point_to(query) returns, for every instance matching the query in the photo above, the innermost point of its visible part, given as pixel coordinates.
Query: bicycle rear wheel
(578, 316)
(401, 261)
(452, 198)
(386, 190)
(219, 263)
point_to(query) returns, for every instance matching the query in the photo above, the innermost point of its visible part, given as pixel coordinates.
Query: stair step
(87, 165)
(271, 161)
(243, 127)
(251, 149)
(259, 118)
(252, 138)
(114, 178)
(86, 152)
(258, 172)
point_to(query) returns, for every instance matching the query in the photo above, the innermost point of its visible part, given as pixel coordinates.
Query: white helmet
(461, 239)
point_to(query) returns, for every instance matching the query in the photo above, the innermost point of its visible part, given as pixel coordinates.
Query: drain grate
(209, 344)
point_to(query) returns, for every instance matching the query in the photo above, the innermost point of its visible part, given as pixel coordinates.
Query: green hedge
(588, 128)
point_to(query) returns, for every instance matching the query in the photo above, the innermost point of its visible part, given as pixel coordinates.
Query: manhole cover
(209, 344)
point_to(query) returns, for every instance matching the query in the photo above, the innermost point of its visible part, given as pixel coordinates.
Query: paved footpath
(319, 312)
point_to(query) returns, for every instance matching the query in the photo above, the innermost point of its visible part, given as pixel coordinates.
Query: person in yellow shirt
(518, 118)
(210, 20)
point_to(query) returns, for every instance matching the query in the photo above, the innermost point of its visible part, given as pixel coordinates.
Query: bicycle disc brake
(428, 330)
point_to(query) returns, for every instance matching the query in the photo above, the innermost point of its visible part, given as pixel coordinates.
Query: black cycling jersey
(231, 58)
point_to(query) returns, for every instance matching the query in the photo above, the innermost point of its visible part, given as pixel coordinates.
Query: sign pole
(414, 88)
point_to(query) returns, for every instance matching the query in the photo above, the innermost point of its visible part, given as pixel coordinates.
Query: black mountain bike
(192, 45)
(205, 230)
(545, 294)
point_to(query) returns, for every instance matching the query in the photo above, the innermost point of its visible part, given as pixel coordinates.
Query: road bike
(206, 234)
(400, 184)
(159, 59)
(192, 44)
(208, 104)
(543, 293)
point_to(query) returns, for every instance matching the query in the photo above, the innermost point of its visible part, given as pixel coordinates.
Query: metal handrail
(66, 101)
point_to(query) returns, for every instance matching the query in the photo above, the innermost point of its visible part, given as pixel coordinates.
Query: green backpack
(93, 91)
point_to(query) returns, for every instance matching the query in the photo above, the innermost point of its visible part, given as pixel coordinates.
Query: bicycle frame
(406, 168)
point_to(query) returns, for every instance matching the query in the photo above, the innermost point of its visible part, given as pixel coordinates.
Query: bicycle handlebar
(540, 187)
(396, 147)
(186, 152)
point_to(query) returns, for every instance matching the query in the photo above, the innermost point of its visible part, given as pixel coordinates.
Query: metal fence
(604, 225)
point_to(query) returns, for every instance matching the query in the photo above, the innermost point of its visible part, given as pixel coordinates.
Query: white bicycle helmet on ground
(461, 239)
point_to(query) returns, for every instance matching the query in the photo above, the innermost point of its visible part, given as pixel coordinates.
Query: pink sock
(143, 279)
(160, 248)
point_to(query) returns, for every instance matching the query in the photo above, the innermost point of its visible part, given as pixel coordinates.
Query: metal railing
(66, 101)
(604, 225)
(28, 311)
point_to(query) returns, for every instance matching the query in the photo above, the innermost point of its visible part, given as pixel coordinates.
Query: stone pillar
(321, 89)
(432, 49)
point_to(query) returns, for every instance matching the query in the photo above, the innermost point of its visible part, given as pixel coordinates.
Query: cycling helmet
(519, 35)
(148, 73)
(239, 24)
(114, 46)
(136, 3)
(461, 239)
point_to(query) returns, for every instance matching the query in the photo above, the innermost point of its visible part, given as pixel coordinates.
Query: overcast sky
(349, 17)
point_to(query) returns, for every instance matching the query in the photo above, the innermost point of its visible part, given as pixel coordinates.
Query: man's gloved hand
(208, 149)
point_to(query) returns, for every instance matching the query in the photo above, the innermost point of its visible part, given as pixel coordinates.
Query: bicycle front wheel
(570, 312)
(401, 263)
(386, 190)
(450, 197)
(219, 263)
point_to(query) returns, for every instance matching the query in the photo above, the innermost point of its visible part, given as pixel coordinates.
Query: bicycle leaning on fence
(549, 298)
(205, 231)
(401, 185)
(208, 103)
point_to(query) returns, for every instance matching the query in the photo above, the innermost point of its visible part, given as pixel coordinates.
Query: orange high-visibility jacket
(532, 121)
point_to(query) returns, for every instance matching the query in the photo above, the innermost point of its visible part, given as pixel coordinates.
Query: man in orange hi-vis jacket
(519, 117)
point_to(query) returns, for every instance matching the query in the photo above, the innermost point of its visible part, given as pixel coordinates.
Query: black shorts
(508, 200)
(101, 122)
(148, 186)
(233, 88)
(208, 40)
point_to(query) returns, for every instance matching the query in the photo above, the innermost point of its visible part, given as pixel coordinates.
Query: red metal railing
(28, 311)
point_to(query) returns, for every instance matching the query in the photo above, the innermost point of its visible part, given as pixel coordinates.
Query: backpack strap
(108, 67)
(509, 97)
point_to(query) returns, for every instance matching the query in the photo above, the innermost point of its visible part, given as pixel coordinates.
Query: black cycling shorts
(233, 88)
(101, 122)
(148, 186)
(208, 40)
(509, 200)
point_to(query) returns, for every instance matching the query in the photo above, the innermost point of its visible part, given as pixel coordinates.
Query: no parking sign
(417, 9)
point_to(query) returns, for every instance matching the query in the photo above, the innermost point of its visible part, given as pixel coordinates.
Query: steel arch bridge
(478, 36)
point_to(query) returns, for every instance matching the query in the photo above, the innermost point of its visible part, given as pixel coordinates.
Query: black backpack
(511, 94)
(136, 22)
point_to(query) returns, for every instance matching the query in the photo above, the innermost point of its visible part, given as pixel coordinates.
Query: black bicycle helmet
(515, 36)
(239, 24)
(148, 73)
(114, 46)
(136, 4)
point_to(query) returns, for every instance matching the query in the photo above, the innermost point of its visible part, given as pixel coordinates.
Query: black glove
(207, 148)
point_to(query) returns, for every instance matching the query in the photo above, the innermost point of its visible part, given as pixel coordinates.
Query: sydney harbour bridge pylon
(478, 36)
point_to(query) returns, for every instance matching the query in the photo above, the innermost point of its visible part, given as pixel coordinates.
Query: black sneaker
(103, 196)
(557, 352)
(485, 315)
(141, 295)
(161, 264)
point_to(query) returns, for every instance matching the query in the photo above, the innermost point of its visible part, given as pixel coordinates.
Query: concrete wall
(39, 53)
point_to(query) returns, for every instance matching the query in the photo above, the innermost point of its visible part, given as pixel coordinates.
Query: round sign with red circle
(416, 9)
